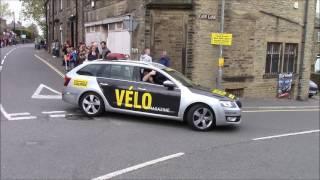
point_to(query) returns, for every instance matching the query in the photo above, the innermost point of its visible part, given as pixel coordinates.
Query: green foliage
(4, 10)
(35, 9)
(27, 32)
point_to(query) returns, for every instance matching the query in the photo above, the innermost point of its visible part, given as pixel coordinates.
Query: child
(73, 60)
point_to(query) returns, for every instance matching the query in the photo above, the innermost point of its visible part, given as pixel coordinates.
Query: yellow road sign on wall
(221, 39)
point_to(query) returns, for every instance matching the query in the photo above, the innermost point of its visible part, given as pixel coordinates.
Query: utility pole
(303, 46)
(220, 70)
(14, 21)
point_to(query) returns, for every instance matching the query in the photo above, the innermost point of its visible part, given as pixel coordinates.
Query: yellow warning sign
(221, 62)
(80, 83)
(221, 39)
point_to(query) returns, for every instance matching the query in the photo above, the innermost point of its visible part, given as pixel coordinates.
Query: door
(123, 88)
(164, 101)
(116, 82)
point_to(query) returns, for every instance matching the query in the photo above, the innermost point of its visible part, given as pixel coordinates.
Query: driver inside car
(148, 75)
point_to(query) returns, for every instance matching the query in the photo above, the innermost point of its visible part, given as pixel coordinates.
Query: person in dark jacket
(164, 60)
(93, 55)
(105, 51)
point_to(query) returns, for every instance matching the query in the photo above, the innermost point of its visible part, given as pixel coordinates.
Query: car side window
(158, 78)
(122, 72)
(105, 71)
(90, 70)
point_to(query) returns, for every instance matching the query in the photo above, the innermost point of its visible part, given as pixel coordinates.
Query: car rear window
(90, 70)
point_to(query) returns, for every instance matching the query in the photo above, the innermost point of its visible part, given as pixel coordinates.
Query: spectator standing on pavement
(65, 52)
(93, 55)
(105, 51)
(164, 60)
(68, 58)
(74, 58)
(82, 54)
(145, 57)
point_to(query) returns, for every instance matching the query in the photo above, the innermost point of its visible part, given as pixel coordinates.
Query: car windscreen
(179, 77)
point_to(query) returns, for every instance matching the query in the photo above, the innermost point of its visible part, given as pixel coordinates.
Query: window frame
(273, 54)
(284, 58)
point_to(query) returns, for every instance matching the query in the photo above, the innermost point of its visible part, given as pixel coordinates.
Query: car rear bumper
(70, 97)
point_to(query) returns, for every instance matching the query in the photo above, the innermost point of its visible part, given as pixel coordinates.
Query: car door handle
(142, 89)
(104, 84)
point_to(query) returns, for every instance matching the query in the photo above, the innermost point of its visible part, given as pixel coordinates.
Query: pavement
(45, 138)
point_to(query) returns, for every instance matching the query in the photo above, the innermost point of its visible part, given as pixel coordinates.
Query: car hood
(207, 92)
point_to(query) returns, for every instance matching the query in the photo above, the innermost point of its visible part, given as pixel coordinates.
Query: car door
(164, 101)
(115, 81)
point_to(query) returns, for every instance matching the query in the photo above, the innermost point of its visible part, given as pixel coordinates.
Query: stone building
(64, 21)
(267, 38)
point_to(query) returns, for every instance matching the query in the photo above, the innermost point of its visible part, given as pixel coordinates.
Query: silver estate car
(120, 86)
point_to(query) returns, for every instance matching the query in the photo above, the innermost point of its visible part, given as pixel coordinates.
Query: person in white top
(145, 57)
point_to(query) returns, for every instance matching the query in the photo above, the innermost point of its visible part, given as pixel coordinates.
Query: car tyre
(92, 104)
(200, 117)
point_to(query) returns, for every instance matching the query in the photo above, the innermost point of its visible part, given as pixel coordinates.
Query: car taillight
(66, 80)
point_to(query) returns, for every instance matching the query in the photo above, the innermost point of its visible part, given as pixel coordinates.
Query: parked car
(317, 65)
(120, 86)
(313, 89)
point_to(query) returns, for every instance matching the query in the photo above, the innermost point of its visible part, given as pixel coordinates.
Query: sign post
(220, 72)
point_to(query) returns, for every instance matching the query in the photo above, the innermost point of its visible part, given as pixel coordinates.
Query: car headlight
(228, 104)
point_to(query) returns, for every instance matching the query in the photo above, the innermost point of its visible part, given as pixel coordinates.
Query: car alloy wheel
(92, 104)
(200, 117)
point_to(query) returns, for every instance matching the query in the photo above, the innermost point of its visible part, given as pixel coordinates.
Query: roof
(131, 62)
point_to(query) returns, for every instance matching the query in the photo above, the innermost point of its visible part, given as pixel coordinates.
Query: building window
(61, 4)
(91, 29)
(279, 60)
(290, 58)
(273, 58)
(118, 26)
(318, 37)
(112, 27)
(93, 3)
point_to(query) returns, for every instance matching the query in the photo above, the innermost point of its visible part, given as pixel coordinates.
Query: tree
(35, 9)
(4, 9)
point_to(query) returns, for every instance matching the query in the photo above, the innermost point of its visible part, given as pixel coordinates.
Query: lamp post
(220, 70)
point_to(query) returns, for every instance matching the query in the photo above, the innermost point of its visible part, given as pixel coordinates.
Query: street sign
(221, 39)
(23, 36)
(221, 62)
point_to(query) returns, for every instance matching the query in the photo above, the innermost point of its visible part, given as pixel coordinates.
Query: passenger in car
(148, 75)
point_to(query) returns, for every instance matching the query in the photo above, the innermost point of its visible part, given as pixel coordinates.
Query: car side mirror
(169, 84)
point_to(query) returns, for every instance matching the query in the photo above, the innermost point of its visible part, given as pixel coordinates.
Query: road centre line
(57, 115)
(48, 64)
(282, 110)
(52, 112)
(285, 135)
(138, 166)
